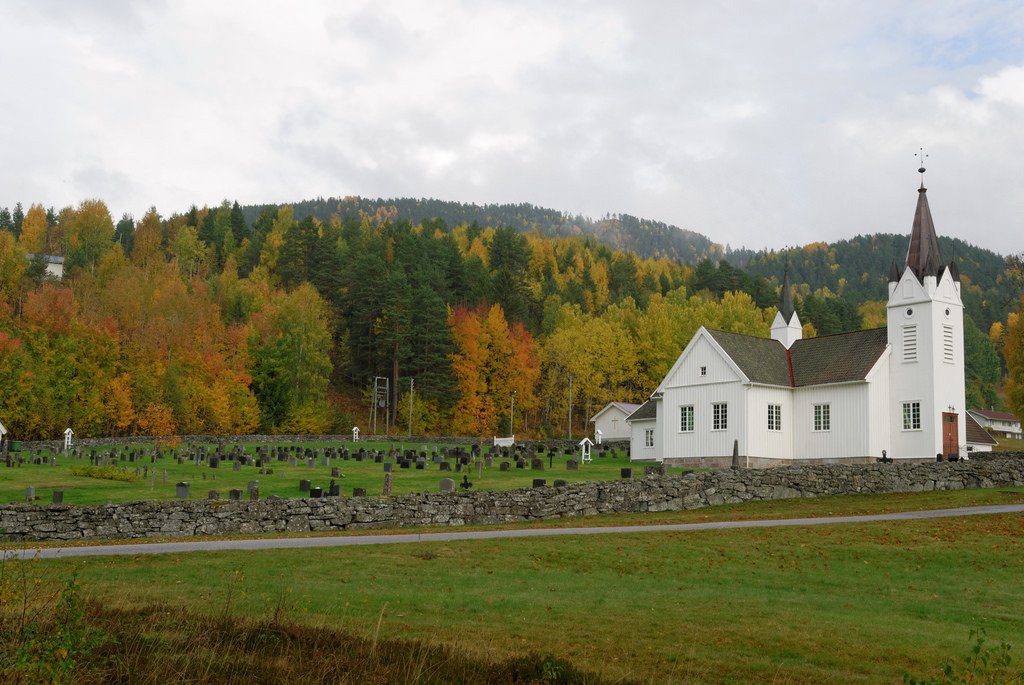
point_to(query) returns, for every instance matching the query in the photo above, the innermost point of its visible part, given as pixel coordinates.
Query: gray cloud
(757, 125)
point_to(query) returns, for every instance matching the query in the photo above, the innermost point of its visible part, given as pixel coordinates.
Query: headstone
(626, 473)
(505, 466)
(465, 484)
(359, 492)
(572, 465)
(658, 470)
(537, 465)
(235, 495)
(559, 483)
(304, 485)
(388, 479)
(421, 464)
(237, 466)
(447, 485)
(520, 463)
(334, 490)
(316, 493)
(335, 472)
(182, 490)
(444, 466)
(539, 482)
(213, 494)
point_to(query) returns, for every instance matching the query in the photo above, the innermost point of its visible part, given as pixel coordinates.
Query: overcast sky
(758, 124)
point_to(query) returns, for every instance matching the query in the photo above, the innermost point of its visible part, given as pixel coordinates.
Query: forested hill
(643, 237)
(858, 270)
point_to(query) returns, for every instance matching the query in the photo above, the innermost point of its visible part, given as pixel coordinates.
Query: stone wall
(183, 518)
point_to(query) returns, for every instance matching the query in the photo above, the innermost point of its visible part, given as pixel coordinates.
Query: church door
(950, 434)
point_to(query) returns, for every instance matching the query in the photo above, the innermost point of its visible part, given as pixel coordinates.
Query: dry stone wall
(183, 518)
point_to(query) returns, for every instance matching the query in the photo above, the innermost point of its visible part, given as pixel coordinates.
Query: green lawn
(284, 481)
(843, 603)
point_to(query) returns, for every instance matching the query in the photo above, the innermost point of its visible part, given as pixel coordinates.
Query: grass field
(284, 481)
(845, 603)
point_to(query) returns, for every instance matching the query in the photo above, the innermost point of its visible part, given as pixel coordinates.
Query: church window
(910, 343)
(649, 437)
(911, 416)
(720, 416)
(822, 417)
(947, 344)
(774, 417)
(686, 419)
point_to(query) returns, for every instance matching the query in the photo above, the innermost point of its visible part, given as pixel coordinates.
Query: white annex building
(610, 422)
(896, 391)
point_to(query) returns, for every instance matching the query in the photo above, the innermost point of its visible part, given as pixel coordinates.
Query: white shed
(611, 420)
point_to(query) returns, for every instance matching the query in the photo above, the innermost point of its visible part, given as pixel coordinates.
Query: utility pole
(570, 407)
(512, 415)
(411, 382)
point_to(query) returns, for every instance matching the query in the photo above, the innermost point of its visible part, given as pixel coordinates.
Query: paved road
(345, 541)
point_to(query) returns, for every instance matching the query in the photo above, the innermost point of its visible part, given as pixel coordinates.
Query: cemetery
(135, 471)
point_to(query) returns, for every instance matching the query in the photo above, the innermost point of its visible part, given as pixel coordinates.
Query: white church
(733, 399)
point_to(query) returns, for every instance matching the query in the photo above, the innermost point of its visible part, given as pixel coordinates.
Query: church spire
(786, 307)
(923, 256)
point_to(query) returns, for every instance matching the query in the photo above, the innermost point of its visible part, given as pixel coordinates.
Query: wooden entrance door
(950, 434)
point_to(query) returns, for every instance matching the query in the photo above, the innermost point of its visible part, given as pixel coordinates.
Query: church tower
(786, 327)
(926, 337)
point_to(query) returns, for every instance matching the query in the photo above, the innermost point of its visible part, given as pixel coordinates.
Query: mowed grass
(284, 481)
(842, 603)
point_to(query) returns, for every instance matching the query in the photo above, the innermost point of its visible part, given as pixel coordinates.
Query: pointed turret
(786, 307)
(786, 328)
(923, 256)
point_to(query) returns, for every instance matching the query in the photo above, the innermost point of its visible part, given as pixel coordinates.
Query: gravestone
(58, 497)
(359, 492)
(505, 466)
(444, 466)
(572, 465)
(520, 463)
(488, 461)
(654, 470)
(537, 465)
(316, 493)
(311, 463)
(447, 485)
(335, 472)
(539, 482)
(182, 490)
(388, 466)
(235, 495)
(236, 466)
(213, 494)
(559, 483)
(334, 490)
(626, 473)
(292, 461)
(214, 462)
(304, 485)
(465, 484)
(421, 464)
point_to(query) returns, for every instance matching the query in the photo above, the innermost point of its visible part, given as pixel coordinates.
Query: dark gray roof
(647, 410)
(839, 358)
(762, 360)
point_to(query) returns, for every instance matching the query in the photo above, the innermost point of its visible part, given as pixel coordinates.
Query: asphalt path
(397, 538)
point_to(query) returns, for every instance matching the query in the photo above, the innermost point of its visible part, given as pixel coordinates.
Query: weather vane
(920, 153)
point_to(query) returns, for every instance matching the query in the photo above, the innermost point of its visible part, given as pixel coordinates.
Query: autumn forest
(232, 320)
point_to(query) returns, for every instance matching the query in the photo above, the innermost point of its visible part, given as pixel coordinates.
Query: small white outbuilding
(611, 421)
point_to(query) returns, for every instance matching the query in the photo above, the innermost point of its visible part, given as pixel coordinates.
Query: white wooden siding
(850, 414)
(762, 442)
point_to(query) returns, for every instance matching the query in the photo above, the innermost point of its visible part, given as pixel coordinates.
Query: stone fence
(183, 518)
